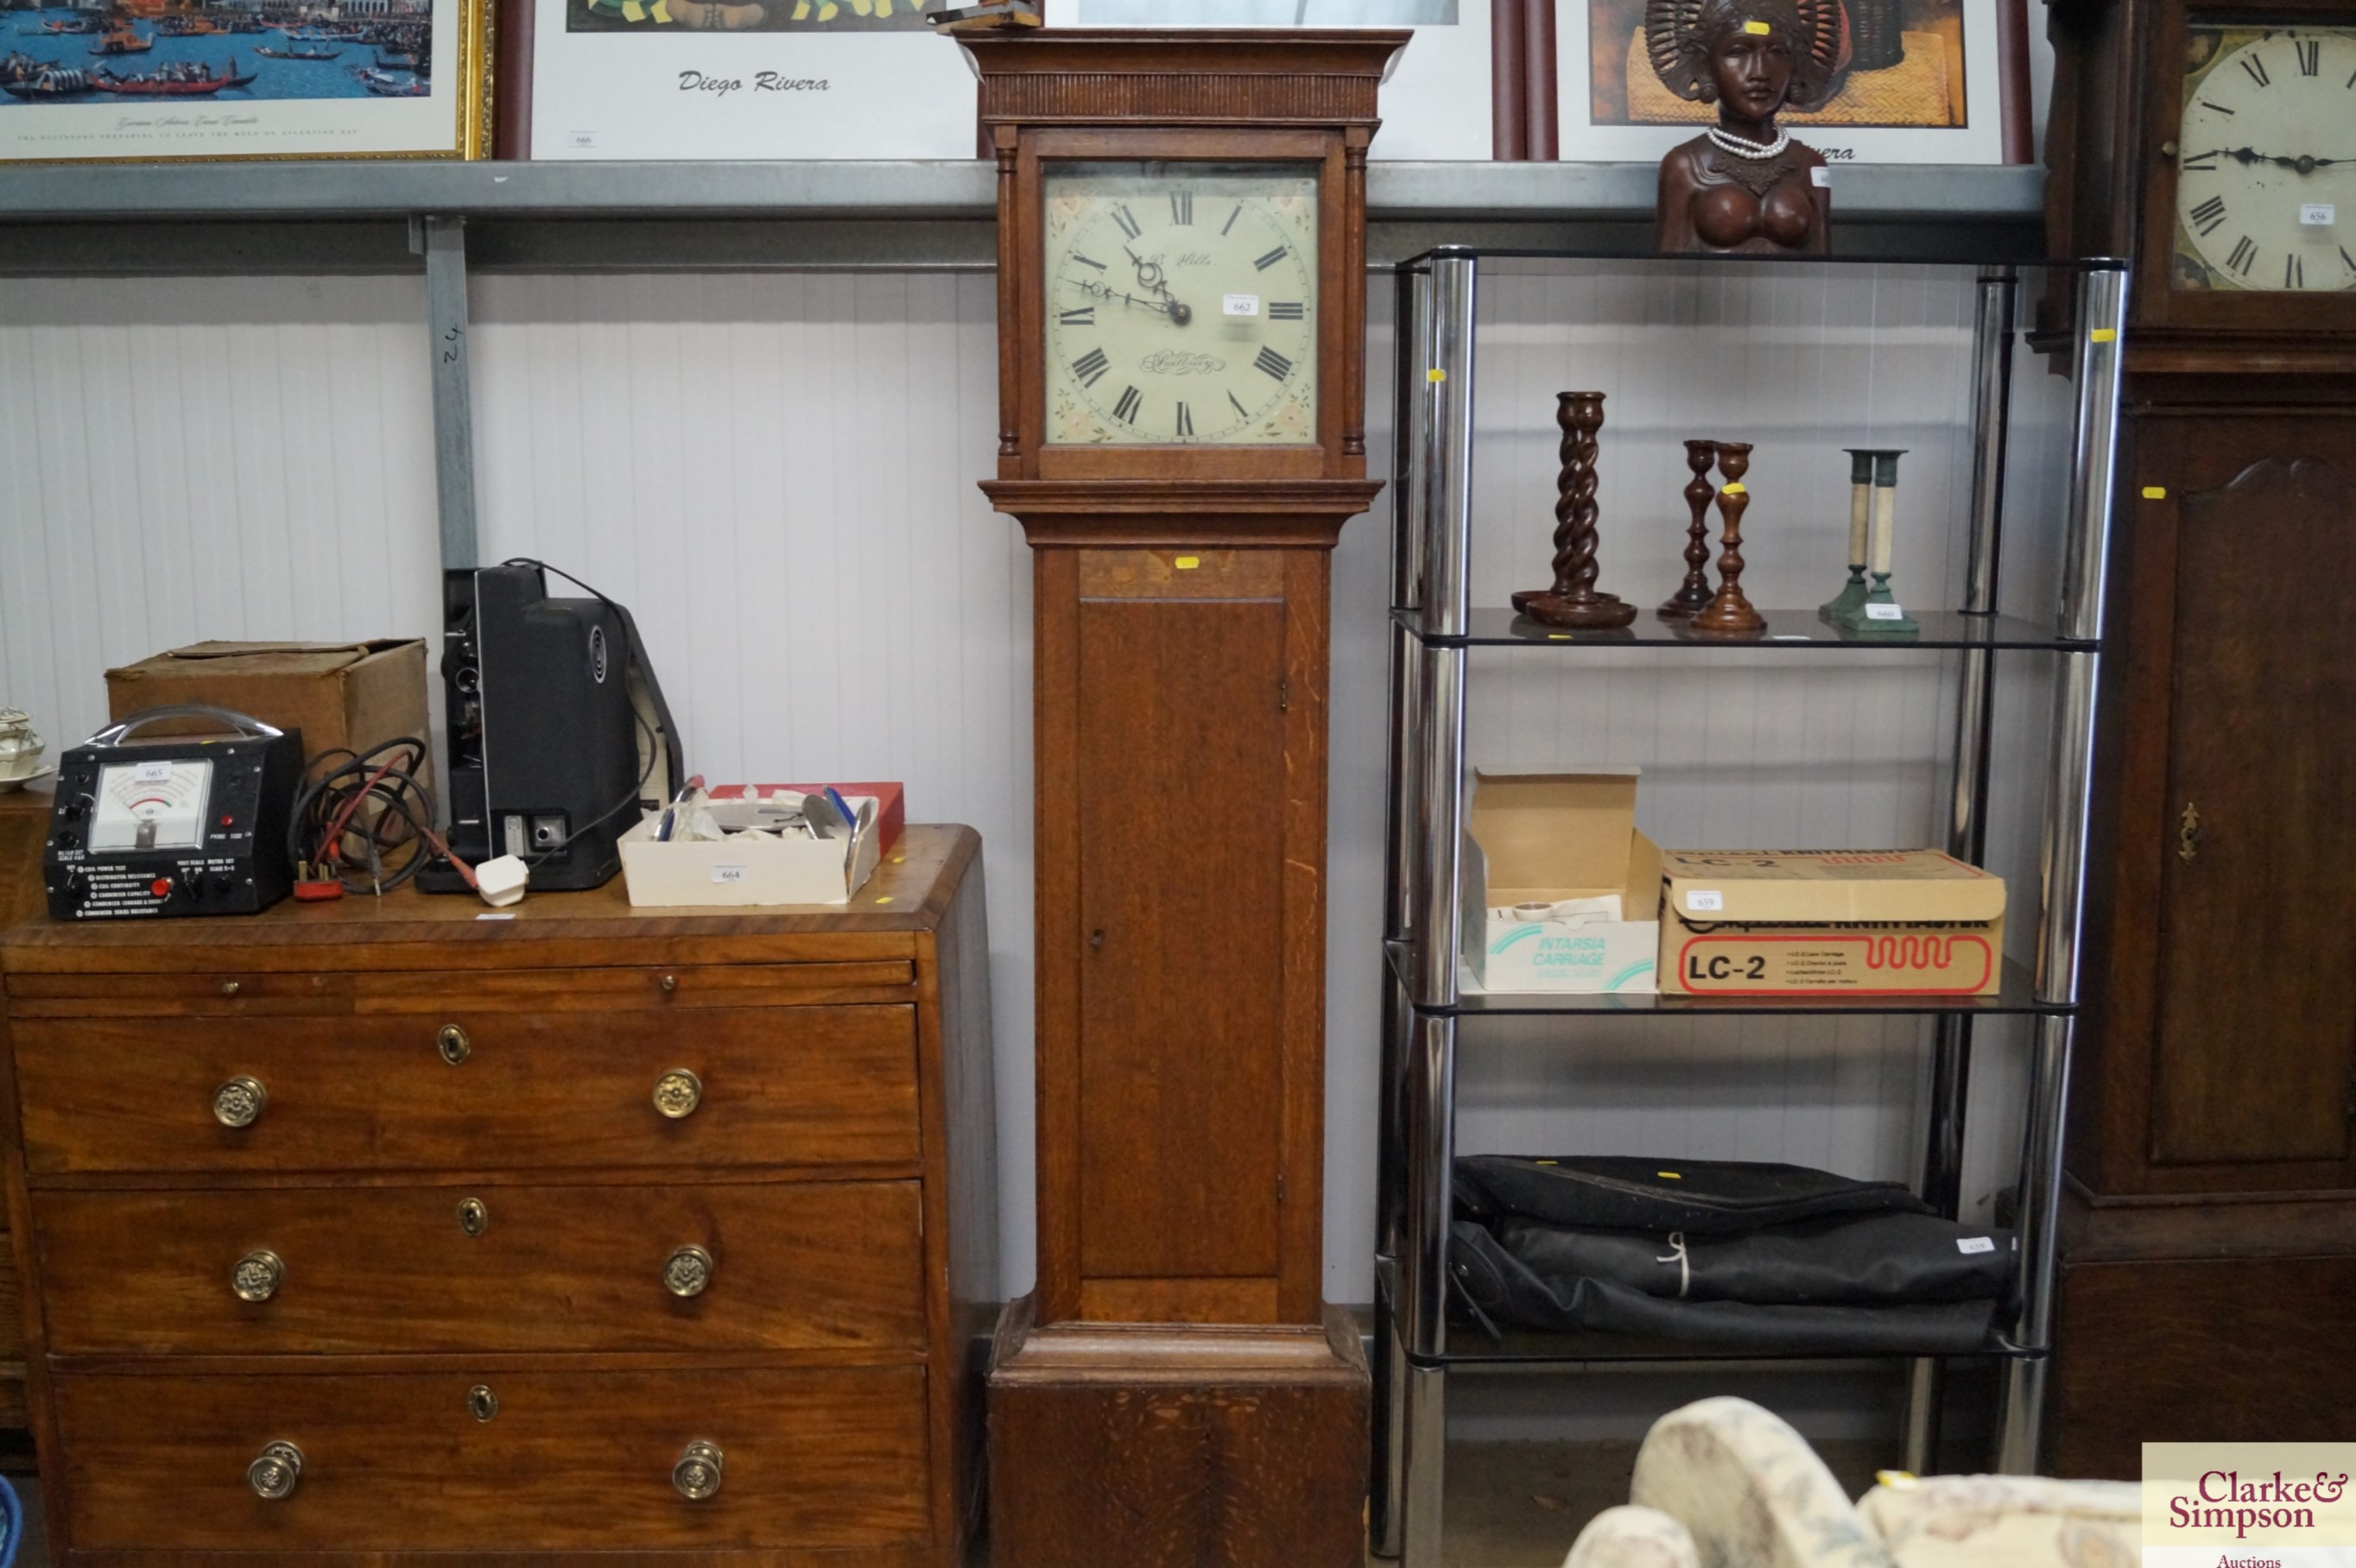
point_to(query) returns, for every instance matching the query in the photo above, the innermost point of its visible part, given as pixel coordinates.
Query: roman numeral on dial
(2347, 259)
(1241, 411)
(1275, 364)
(2294, 272)
(1185, 426)
(2218, 107)
(1125, 221)
(2311, 56)
(1084, 316)
(1088, 260)
(2207, 161)
(1285, 310)
(2257, 70)
(1090, 367)
(1181, 207)
(1126, 410)
(2245, 252)
(1272, 258)
(1230, 223)
(2209, 216)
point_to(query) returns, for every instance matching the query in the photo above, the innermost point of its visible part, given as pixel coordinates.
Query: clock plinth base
(1169, 1445)
(1592, 612)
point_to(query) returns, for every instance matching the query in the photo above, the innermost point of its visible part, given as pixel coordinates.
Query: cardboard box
(1567, 842)
(755, 868)
(347, 695)
(1892, 922)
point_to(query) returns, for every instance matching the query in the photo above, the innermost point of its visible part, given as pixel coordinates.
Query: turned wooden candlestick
(1574, 601)
(1694, 593)
(1728, 614)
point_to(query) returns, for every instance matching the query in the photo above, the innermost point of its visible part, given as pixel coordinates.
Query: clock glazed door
(1296, 378)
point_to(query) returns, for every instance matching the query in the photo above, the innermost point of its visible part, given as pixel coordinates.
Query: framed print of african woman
(114, 81)
(1911, 81)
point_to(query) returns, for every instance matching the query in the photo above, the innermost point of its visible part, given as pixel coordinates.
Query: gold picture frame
(321, 57)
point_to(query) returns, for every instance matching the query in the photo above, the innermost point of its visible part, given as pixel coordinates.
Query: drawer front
(499, 1091)
(799, 1267)
(574, 1461)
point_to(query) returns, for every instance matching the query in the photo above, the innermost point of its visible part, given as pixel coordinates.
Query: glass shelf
(1786, 629)
(2017, 994)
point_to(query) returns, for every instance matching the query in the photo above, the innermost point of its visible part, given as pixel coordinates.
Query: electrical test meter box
(1898, 923)
(1560, 890)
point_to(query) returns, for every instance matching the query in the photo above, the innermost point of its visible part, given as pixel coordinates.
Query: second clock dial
(1182, 303)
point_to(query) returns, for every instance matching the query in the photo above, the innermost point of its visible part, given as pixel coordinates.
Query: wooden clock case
(1175, 1389)
(2209, 1233)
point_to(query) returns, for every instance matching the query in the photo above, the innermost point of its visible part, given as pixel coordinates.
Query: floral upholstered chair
(1724, 1484)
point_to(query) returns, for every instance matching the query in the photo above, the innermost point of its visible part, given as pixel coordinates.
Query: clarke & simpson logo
(2249, 1505)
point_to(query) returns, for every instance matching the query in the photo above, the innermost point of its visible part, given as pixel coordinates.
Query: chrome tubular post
(1447, 401)
(443, 242)
(1410, 436)
(1426, 1425)
(1390, 1367)
(2101, 319)
(1444, 611)
(1431, 1149)
(1950, 1066)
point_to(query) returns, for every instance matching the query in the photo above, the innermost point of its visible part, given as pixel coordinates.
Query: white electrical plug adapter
(501, 882)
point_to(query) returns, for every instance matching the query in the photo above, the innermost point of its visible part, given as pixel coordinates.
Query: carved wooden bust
(1744, 187)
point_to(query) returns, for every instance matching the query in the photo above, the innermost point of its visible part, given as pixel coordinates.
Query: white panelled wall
(775, 471)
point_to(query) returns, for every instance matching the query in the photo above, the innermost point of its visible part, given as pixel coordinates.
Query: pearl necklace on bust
(1756, 152)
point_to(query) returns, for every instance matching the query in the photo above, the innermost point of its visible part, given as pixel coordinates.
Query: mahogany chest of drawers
(385, 1231)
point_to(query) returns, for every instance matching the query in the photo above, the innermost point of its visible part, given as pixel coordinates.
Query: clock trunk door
(2256, 994)
(1182, 777)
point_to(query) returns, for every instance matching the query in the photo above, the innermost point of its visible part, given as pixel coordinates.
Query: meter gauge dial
(151, 806)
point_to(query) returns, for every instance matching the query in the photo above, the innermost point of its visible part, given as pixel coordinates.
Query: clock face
(1182, 303)
(2265, 185)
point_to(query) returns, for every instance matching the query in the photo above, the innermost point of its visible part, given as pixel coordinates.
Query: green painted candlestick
(1860, 524)
(1881, 614)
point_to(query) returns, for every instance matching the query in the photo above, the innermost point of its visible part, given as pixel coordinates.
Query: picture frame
(1928, 82)
(1436, 103)
(741, 78)
(125, 80)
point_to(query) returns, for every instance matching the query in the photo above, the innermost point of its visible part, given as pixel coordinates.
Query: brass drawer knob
(258, 1276)
(274, 1471)
(677, 1093)
(481, 1402)
(474, 1216)
(698, 1473)
(238, 1102)
(686, 1271)
(454, 1045)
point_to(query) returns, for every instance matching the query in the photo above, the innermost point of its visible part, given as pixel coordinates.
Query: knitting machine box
(1560, 889)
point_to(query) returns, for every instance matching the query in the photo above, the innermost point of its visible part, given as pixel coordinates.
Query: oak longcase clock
(1182, 321)
(2209, 1227)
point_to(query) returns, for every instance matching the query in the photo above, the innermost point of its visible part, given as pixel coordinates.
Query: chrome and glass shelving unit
(1430, 1015)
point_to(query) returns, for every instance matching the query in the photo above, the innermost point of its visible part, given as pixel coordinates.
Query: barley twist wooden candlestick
(1574, 600)
(1728, 614)
(1688, 598)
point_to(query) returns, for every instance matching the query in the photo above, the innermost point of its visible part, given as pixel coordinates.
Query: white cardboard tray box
(1567, 840)
(750, 868)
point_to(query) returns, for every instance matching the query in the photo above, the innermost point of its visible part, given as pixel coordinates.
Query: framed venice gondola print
(118, 80)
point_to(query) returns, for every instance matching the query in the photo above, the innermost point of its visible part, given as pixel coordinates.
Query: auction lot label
(2249, 1505)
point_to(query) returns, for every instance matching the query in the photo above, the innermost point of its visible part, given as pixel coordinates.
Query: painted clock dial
(2265, 186)
(1181, 304)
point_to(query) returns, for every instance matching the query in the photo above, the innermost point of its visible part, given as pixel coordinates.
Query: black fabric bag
(1866, 1259)
(1502, 1289)
(1700, 1198)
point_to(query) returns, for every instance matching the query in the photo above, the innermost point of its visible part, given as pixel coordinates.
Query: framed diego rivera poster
(1921, 83)
(747, 78)
(119, 79)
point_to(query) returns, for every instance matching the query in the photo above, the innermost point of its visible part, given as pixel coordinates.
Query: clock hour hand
(1150, 275)
(2305, 164)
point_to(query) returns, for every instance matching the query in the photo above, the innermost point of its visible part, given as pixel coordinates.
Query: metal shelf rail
(1426, 1003)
